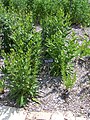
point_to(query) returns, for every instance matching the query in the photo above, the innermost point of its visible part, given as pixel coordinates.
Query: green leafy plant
(21, 75)
(5, 3)
(39, 9)
(53, 29)
(5, 30)
(63, 51)
(42, 8)
(85, 48)
(61, 48)
(6, 41)
(70, 51)
(1, 86)
(58, 46)
(78, 10)
(21, 64)
(18, 4)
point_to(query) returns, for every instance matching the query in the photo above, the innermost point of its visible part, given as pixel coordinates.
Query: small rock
(69, 116)
(80, 118)
(39, 116)
(38, 28)
(57, 116)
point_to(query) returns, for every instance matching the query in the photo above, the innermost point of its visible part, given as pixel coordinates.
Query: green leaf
(36, 100)
(21, 101)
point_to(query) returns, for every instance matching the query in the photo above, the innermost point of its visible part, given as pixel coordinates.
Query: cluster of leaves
(85, 47)
(7, 41)
(21, 69)
(23, 59)
(79, 11)
(53, 25)
(43, 8)
(16, 4)
(59, 47)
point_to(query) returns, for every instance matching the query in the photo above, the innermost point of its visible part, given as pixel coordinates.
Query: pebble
(57, 116)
